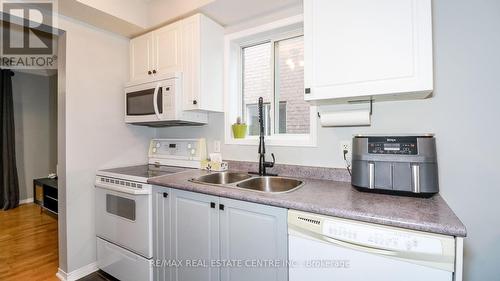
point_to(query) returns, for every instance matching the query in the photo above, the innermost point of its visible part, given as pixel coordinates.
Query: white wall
(133, 11)
(463, 115)
(92, 133)
(36, 143)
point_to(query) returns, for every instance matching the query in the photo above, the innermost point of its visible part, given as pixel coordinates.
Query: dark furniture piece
(45, 194)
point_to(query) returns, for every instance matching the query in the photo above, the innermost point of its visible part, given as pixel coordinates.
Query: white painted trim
(459, 259)
(78, 273)
(26, 201)
(265, 27)
(61, 275)
(232, 63)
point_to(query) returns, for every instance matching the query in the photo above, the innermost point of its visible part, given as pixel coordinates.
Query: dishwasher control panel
(363, 241)
(381, 238)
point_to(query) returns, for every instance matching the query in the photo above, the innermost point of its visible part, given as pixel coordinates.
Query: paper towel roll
(346, 118)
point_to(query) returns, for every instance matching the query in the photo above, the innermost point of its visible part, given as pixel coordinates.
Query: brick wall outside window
(257, 80)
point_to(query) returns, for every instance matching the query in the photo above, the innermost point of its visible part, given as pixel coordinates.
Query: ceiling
(231, 12)
(134, 17)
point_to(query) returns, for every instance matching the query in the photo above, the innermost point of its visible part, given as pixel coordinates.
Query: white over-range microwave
(158, 103)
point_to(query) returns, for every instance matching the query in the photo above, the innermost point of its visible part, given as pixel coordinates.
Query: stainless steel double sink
(266, 184)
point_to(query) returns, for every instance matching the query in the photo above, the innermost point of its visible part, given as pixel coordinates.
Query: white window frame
(233, 77)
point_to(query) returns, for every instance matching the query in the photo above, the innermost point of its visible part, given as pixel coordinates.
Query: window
(274, 70)
(252, 113)
(268, 61)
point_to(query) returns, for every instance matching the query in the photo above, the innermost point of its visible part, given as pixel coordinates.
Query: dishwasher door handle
(378, 251)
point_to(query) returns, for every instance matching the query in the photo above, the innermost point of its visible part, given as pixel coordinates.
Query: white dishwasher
(323, 248)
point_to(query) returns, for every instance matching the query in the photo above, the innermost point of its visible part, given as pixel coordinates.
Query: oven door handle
(123, 189)
(155, 101)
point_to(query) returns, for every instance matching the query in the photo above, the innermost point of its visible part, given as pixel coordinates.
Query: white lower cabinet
(162, 237)
(195, 236)
(203, 237)
(257, 236)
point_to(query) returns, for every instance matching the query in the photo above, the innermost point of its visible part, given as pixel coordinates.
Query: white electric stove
(124, 211)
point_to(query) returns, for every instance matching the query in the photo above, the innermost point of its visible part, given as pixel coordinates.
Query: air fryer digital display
(393, 145)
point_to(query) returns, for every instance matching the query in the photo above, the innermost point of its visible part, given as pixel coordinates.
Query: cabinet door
(162, 226)
(141, 57)
(167, 49)
(195, 237)
(191, 63)
(360, 48)
(253, 232)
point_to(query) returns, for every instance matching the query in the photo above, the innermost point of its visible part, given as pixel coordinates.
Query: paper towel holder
(355, 102)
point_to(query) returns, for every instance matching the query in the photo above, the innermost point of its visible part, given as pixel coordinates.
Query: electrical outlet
(217, 146)
(346, 145)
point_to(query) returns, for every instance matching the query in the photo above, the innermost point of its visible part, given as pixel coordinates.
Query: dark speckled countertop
(338, 199)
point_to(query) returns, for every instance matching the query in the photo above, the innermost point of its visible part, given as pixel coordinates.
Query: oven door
(125, 218)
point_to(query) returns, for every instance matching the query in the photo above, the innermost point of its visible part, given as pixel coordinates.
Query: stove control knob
(189, 146)
(158, 145)
(193, 151)
(154, 150)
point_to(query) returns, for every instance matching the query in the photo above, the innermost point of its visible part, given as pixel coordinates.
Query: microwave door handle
(155, 101)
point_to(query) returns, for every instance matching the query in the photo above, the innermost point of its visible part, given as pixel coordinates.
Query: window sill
(290, 140)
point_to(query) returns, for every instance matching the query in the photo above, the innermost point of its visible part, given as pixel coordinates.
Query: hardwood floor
(28, 244)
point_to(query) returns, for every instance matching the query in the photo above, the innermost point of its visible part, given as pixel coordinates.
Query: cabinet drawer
(50, 192)
(50, 204)
(122, 264)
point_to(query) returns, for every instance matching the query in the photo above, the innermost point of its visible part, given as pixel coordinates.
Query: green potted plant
(239, 129)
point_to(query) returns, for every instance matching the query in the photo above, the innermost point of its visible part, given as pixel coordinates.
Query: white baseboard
(26, 201)
(78, 273)
(61, 275)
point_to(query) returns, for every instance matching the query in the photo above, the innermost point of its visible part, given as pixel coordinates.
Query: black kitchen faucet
(262, 145)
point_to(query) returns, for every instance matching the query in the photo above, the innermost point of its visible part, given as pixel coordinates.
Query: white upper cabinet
(362, 49)
(194, 47)
(167, 49)
(157, 52)
(203, 62)
(141, 57)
